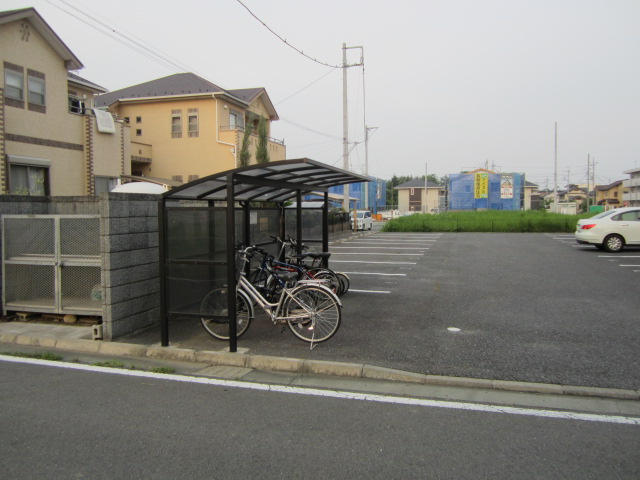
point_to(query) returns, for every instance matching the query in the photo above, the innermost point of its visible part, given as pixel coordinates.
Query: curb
(315, 367)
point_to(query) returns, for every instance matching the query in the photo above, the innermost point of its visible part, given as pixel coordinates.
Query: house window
(138, 119)
(14, 85)
(138, 132)
(76, 103)
(193, 122)
(236, 120)
(177, 178)
(176, 124)
(28, 180)
(104, 184)
(36, 86)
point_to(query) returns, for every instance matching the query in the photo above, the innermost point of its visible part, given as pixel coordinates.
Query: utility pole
(555, 171)
(366, 163)
(426, 192)
(345, 127)
(345, 117)
(588, 180)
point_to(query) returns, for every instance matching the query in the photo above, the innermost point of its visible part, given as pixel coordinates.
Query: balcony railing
(225, 128)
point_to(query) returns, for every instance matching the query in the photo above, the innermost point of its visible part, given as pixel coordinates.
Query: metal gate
(51, 264)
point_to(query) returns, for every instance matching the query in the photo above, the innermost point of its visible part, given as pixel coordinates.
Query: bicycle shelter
(201, 222)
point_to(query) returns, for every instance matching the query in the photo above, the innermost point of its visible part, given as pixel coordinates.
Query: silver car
(611, 230)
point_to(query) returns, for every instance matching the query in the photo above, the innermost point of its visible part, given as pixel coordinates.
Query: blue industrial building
(376, 192)
(486, 190)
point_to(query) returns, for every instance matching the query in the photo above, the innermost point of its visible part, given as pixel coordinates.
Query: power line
(304, 88)
(147, 50)
(284, 40)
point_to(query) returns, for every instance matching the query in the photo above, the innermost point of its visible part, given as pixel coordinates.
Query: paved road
(59, 423)
(530, 307)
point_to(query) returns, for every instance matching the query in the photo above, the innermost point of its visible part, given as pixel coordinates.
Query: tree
(262, 153)
(245, 154)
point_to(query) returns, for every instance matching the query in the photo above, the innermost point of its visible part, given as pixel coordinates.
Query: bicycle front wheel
(313, 313)
(214, 313)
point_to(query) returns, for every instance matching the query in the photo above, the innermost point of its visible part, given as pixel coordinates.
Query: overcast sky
(450, 85)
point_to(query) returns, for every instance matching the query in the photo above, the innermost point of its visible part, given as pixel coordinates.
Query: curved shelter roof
(268, 182)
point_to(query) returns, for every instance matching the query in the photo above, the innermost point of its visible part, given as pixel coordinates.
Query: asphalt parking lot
(521, 307)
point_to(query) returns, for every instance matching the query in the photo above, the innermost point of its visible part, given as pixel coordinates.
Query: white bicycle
(310, 309)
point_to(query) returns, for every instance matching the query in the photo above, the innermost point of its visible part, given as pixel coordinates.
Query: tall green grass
(487, 221)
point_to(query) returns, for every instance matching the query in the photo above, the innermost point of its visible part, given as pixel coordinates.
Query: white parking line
(369, 291)
(618, 256)
(386, 248)
(629, 265)
(376, 273)
(380, 254)
(387, 263)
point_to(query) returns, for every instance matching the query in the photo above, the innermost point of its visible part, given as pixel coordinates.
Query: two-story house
(609, 196)
(415, 198)
(51, 142)
(185, 127)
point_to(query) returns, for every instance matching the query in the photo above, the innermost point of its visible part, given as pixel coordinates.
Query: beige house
(184, 127)
(414, 197)
(610, 196)
(51, 142)
(631, 194)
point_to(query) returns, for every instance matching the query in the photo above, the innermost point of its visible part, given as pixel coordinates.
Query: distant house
(52, 140)
(414, 197)
(610, 196)
(631, 186)
(185, 127)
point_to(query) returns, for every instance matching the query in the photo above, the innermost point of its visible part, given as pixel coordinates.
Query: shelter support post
(299, 221)
(231, 264)
(325, 229)
(164, 320)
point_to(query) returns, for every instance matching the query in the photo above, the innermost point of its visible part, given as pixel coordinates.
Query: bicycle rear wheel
(214, 313)
(328, 276)
(313, 313)
(344, 282)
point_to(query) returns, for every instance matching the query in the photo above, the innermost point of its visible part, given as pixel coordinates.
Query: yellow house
(184, 127)
(51, 142)
(415, 198)
(610, 196)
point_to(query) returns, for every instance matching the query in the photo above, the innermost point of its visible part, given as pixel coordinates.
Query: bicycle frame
(274, 309)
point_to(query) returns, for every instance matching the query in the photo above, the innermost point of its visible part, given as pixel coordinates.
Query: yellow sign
(481, 185)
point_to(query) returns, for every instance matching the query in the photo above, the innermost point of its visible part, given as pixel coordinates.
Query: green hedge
(486, 221)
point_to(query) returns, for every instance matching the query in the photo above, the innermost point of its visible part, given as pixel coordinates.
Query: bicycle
(312, 311)
(338, 281)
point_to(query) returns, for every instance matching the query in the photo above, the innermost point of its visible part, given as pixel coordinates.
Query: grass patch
(530, 221)
(167, 370)
(38, 356)
(113, 364)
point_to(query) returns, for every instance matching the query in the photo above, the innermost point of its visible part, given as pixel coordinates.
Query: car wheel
(613, 243)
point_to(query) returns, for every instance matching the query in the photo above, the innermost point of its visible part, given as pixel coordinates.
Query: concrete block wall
(130, 263)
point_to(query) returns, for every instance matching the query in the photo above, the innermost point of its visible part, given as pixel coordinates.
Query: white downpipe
(217, 124)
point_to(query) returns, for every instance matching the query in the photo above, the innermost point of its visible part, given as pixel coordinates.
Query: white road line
(618, 256)
(359, 261)
(629, 265)
(340, 394)
(376, 273)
